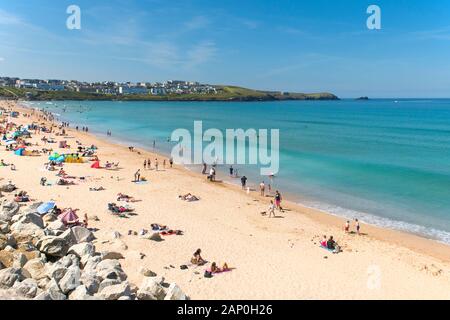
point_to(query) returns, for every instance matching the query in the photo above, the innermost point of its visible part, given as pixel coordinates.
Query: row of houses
(107, 87)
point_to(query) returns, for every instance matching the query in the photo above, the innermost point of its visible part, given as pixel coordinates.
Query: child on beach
(271, 209)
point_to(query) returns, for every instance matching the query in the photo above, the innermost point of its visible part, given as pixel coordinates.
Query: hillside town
(108, 87)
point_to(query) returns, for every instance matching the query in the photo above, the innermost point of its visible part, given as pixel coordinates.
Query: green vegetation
(224, 93)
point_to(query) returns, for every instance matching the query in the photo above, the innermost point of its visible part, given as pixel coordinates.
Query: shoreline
(330, 219)
(300, 226)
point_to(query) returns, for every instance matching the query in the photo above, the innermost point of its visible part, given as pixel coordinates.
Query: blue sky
(304, 46)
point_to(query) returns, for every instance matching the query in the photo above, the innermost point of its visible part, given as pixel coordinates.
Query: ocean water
(385, 162)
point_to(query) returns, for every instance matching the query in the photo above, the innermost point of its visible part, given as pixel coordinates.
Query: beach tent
(67, 216)
(96, 165)
(19, 152)
(45, 207)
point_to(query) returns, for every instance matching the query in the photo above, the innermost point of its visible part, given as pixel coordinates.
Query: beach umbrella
(68, 215)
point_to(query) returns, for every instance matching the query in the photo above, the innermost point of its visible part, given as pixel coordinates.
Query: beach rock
(108, 282)
(50, 218)
(147, 272)
(118, 245)
(71, 280)
(27, 288)
(20, 259)
(150, 290)
(53, 246)
(56, 225)
(2, 266)
(36, 268)
(10, 294)
(175, 293)
(9, 209)
(9, 276)
(92, 263)
(90, 281)
(82, 249)
(56, 271)
(43, 296)
(80, 293)
(6, 259)
(116, 235)
(108, 272)
(32, 218)
(116, 291)
(26, 232)
(82, 234)
(127, 298)
(69, 237)
(4, 227)
(54, 291)
(111, 255)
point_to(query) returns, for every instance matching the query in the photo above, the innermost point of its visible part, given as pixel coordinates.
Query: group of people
(357, 227)
(148, 164)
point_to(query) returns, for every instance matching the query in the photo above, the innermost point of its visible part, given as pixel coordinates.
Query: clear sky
(290, 45)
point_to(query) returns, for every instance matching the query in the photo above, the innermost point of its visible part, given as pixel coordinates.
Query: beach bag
(208, 274)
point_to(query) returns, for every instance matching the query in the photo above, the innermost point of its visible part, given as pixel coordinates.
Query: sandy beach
(270, 258)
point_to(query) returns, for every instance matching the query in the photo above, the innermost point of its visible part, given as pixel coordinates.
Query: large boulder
(20, 259)
(108, 282)
(175, 293)
(8, 209)
(71, 280)
(56, 271)
(80, 293)
(43, 296)
(54, 291)
(53, 246)
(26, 232)
(27, 288)
(9, 276)
(150, 289)
(57, 225)
(91, 281)
(116, 291)
(36, 268)
(82, 249)
(110, 269)
(82, 234)
(32, 218)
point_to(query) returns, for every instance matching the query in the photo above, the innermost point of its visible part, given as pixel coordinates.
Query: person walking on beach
(278, 200)
(156, 164)
(358, 227)
(145, 164)
(171, 162)
(271, 209)
(262, 189)
(137, 176)
(204, 168)
(243, 182)
(149, 164)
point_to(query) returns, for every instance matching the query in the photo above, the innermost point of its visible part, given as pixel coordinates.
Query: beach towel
(45, 207)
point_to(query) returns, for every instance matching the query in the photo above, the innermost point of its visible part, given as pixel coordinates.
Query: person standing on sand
(278, 200)
(231, 171)
(164, 163)
(358, 227)
(145, 164)
(156, 164)
(204, 168)
(149, 164)
(171, 162)
(347, 227)
(243, 182)
(271, 209)
(262, 189)
(137, 176)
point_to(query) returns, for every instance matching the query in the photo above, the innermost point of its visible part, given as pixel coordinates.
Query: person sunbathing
(158, 227)
(323, 243)
(124, 197)
(215, 269)
(97, 189)
(197, 258)
(21, 197)
(63, 182)
(61, 173)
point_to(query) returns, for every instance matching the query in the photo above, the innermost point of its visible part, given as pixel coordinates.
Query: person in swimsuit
(358, 227)
(197, 258)
(347, 227)
(215, 269)
(278, 200)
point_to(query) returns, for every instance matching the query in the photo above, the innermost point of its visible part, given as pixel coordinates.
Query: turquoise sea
(385, 162)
